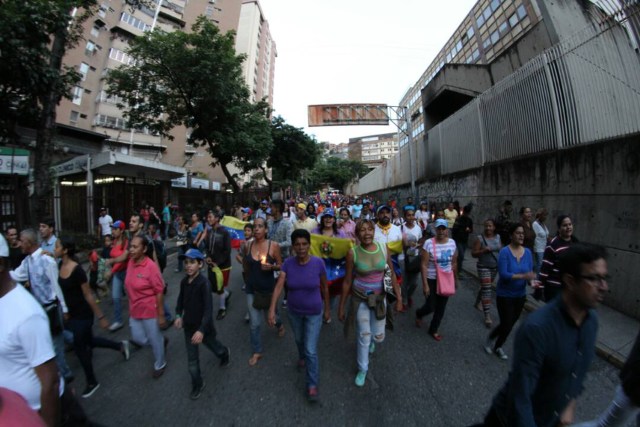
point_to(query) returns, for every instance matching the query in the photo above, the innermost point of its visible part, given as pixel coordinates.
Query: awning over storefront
(118, 164)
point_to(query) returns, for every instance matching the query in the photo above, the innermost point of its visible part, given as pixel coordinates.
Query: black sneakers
(90, 389)
(196, 391)
(224, 361)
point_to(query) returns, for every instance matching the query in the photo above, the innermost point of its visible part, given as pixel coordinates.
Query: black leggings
(434, 304)
(509, 310)
(84, 342)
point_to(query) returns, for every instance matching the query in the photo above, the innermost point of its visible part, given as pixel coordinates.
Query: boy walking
(194, 313)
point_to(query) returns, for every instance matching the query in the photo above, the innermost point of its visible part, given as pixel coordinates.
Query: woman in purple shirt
(306, 277)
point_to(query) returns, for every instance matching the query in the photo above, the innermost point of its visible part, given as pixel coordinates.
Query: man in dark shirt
(194, 313)
(15, 250)
(218, 250)
(554, 347)
(460, 233)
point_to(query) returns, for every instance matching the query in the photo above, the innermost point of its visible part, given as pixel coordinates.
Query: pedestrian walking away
(554, 347)
(194, 314)
(441, 250)
(363, 282)
(82, 309)
(515, 270)
(486, 249)
(306, 278)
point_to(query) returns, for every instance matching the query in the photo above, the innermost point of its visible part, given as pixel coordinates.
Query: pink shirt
(143, 282)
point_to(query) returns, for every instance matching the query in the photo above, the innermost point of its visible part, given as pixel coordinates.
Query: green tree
(195, 80)
(34, 36)
(336, 172)
(293, 151)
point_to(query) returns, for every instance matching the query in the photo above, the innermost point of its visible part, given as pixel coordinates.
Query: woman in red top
(117, 271)
(145, 287)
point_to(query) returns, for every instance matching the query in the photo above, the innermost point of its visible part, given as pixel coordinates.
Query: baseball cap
(4, 248)
(192, 253)
(301, 206)
(103, 209)
(329, 212)
(118, 224)
(441, 223)
(382, 208)
(245, 210)
(264, 202)
(409, 208)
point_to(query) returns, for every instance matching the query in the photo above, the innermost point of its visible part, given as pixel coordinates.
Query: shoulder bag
(445, 280)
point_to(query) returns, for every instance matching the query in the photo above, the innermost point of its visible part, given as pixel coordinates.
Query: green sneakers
(360, 378)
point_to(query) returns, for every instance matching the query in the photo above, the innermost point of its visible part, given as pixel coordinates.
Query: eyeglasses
(599, 280)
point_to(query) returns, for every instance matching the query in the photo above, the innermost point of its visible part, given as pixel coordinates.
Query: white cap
(4, 248)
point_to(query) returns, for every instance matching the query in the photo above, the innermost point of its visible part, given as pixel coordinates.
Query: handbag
(445, 280)
(261, 300)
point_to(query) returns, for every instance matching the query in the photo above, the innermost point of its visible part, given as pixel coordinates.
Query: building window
(134, 22)
(77, 95)
(95, 31)
(495, 4)
(73, 117)
(495, 36)
(83, 69)
(486, 43)
(120, 56)
(480, 21)
(470, 33)
(90, 49)
(522, 11)
(110, 122)
(513, 20)
(503, 27)
(476, 55)
(487, 13)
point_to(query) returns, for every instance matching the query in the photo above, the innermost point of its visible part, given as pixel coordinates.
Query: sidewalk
(616, 334)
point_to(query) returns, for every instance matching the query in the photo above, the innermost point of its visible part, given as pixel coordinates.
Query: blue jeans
(306, 331)
(193, 354)
(255, 322)
(58, 347)
(367, 325)
(147, 332)
(538, 262)
(117, 286)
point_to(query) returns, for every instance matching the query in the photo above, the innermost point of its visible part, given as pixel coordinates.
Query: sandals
(436, 336)
(281, 331)
(254, 359)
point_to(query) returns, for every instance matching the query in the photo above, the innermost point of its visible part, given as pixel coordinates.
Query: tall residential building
(372, 150)
(255, 41)
(486, 33)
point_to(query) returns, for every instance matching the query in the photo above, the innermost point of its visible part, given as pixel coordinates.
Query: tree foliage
(195, 80)
(336, 172)
(34, 36)
(293, 151)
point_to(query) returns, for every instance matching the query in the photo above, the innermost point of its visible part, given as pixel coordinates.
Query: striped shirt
(549, 272)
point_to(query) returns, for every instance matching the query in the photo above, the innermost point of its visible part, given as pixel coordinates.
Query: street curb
(602, 350)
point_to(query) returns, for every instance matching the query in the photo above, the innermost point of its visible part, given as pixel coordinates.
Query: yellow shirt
(450, 216)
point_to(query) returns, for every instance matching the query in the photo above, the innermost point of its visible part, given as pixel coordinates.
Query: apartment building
(144, 164)
(488, 30)
(255, 41)
(372, 150)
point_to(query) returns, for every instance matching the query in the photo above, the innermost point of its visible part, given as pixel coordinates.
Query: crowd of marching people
(362, 259)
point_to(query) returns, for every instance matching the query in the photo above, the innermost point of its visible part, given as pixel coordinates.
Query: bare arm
(274, 298)
(424, 267)
(346, 284)
(49, 397)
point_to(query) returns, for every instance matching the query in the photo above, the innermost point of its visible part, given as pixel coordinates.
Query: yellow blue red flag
(333, 251)
(235, 227)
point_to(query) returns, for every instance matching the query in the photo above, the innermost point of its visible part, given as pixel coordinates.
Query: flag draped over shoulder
(235, 227)
(333, 251)
(395, 249)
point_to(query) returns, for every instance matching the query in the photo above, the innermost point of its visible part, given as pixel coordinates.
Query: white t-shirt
(445, 252)
(425, 216)
(394, 234)
(105, 224)
(25, 342)
(542, 234)
(411, 235)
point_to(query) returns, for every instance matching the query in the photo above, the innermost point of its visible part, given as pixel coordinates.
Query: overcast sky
(353, 51)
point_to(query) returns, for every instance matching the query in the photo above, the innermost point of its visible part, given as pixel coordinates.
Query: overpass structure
(561, 132)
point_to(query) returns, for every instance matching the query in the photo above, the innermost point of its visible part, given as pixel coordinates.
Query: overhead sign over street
(348, 114)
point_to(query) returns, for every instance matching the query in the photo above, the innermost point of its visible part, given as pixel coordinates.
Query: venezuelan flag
(235, 227)
(333, 251)
(395, 249)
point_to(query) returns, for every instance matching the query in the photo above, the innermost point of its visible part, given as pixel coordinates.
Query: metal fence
(583, 90)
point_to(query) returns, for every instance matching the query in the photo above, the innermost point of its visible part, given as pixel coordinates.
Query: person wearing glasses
(555, 346)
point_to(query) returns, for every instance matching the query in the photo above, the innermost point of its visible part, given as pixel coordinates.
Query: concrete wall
(598, 185)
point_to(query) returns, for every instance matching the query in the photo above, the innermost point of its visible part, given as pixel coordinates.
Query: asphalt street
(413, 380)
